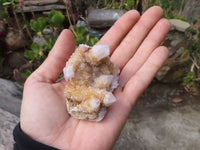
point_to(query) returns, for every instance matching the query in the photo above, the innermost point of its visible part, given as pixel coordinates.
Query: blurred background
(166, 116)
(29, 29)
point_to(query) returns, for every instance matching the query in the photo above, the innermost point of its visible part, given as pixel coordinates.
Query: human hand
(135, 48)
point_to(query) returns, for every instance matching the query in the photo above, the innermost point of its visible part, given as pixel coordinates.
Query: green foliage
(35, 53)
(193, 47)
(120, 4)
(56, 18)
(82, 36)
(183, 19)
(50, 43)
(7, 2)
(3, 15)
(195, 21)
(115, 5)
(192, 31)
(26, 74)
(38, 25)
(34, 25)
(1, 2)
(42, 22)
(129, 4)
(168, 7)
(189, 79)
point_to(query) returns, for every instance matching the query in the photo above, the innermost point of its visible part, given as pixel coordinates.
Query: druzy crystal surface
(90, 80)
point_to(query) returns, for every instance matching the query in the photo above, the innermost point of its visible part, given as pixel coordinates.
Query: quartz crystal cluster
(91, 78)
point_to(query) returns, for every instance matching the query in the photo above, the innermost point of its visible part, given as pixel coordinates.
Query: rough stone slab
(39, 2)
(191, 10)
(179, 25)
(7, 123)
(10, 96)
(103, 18)
(160, 128)
(41, 8)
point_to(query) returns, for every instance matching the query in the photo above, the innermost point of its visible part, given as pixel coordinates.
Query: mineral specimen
(90, 80)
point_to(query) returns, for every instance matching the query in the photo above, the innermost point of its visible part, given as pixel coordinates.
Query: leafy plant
(50, 41)
(82, 36)
(193, 47)
(38, 25)
(168, 7)
(35, 53)
(26, 74)
(192, 31)
(195, 21)
(180, 18)
(12, 3)
(129, 4)
(3, 15)
(56, 18)
(9, 2)
(189, 79)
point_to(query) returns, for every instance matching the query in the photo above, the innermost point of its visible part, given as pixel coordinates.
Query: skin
(134, 41)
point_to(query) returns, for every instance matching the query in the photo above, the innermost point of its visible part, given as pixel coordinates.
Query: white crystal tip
(100, 51)
(68, 72)
(109, 99)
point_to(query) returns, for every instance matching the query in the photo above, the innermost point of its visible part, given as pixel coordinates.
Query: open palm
(135, 48)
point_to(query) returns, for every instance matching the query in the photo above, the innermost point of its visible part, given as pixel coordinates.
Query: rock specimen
(179, 25)
(91, 77)
(103, 18)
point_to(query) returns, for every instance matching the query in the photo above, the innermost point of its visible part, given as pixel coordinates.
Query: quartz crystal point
(90, 80)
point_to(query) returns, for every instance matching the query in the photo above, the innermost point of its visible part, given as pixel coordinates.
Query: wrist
(23, 141)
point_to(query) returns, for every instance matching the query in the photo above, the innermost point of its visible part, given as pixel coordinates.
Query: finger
(53, 65)
(117, 32)
(153, 40)
(119, 111)
(132, 41)
(141, 79)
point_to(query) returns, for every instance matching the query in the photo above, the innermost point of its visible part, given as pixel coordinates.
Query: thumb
(60, 53)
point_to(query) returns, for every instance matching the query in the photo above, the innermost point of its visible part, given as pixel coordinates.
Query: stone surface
(191, 10)
(16, 59)
(10, 102)
(159, 128)
(39, 2)
(178, 62)
(14, 39)
(179, 25)
(10, 96)
(156, 123)
(103, 18)
(7, 123)
(41, 8)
